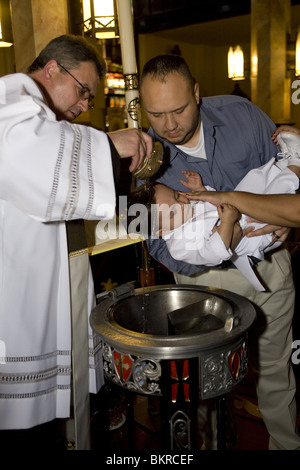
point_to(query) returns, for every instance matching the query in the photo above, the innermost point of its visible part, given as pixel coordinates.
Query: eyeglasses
(84, 91)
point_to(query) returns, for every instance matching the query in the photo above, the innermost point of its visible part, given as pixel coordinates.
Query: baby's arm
(228, 229)
(193, 181)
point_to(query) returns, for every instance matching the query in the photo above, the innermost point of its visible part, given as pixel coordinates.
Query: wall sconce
(297, 55)
(235, 63)
(293, 54)
(5, 24)
(99, 19)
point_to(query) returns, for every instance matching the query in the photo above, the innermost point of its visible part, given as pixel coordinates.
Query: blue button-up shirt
(237, 136)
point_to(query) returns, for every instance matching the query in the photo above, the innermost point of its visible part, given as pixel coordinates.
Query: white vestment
(193, 242)
(50, 171)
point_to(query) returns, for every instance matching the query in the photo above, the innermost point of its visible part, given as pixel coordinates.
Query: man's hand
(132, 143)
(281, 233)
(284, 128)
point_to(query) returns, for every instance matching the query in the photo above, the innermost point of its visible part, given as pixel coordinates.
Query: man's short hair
(162, 65)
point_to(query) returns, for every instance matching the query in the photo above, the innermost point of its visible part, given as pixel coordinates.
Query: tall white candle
(129, 62)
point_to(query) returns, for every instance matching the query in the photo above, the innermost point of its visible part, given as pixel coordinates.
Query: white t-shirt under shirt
(199, 150)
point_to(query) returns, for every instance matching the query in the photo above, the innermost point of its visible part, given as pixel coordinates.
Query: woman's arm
(277, 209)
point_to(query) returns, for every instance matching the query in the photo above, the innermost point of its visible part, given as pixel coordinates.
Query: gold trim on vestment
(78, 252)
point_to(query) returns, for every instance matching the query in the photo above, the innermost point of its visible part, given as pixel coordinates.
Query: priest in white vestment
(51, 171)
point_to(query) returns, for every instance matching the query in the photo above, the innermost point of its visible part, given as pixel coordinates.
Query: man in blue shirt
(222, 138)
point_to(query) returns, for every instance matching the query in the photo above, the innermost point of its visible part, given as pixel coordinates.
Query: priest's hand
(132, 143)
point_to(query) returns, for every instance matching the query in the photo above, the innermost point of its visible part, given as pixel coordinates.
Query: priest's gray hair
(70, 51)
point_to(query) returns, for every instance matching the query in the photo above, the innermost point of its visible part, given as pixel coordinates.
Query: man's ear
(197, 93)
(50, 69)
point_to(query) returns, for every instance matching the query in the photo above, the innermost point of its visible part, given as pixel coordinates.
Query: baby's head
(160, 208)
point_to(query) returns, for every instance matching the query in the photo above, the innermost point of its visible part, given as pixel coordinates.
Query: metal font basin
(179, 343)
(170, 322)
